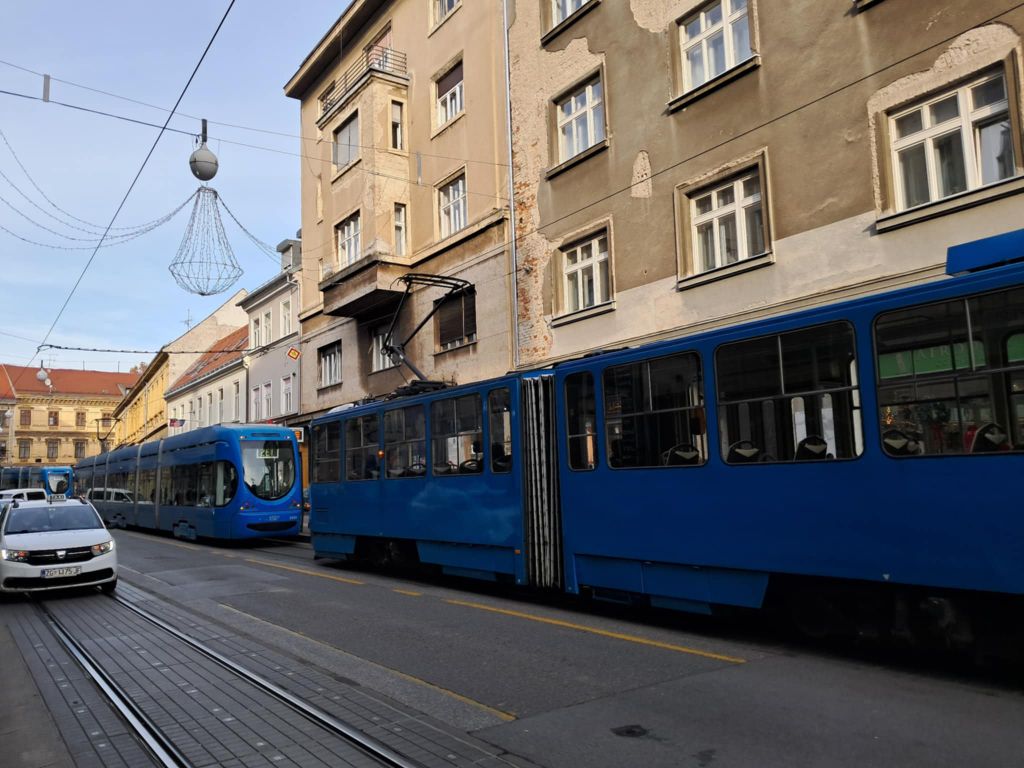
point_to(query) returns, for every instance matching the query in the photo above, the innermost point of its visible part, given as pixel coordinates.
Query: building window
(106, 420)
(220, 405)
(25, 417)
(563, 9)
(790, 397)
(347, 236)
(268, 328)
(329, 363)
(456, 320)
(79, 449)
(24, 449)
(257, 337)
(254, 404)
(346, 143)
(443, 8)
(326, 99)
(581, 120)
(959, 140)
(79, 418)
(397, 123)
(200, 408)
(379, 359)
(713, 40)
(449, 95)
(268, 401)
(236, 413)
(52, 449)
(191, 415)
(452, 205)
(585, 274)
(727, 223)
(286, 393)
(53, 419)
(400, 229)
(286, 317)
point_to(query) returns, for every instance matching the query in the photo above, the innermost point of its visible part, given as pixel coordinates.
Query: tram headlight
(14, 555)
(102, 549)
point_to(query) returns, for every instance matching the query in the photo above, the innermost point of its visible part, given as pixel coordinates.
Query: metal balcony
(376, 58)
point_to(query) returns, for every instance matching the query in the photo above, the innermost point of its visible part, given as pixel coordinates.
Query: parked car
(23, 494)
(46, 545)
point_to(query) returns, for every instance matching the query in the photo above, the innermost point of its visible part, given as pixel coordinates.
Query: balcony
(375, 59)
(363, 289)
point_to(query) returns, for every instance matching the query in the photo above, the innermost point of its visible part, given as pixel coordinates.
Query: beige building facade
(681, 165)
(142, 415)
(403, 114)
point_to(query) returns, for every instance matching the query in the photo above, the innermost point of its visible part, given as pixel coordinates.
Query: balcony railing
(376, 58)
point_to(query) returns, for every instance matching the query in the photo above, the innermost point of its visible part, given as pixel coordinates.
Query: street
(482, 677)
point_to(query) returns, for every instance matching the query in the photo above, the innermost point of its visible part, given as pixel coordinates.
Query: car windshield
(59, 482)
(268, 467)
(66, 517)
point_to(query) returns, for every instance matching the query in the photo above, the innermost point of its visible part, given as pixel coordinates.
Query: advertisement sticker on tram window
(267, 452)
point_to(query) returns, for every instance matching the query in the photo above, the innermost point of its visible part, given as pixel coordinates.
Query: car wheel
(109, 587)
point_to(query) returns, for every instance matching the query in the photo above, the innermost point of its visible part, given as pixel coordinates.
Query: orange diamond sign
(293, 353)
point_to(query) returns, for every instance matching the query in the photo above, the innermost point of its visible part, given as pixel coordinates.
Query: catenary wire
(124, 200)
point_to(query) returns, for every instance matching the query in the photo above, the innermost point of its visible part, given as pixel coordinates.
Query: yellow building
(60, 420)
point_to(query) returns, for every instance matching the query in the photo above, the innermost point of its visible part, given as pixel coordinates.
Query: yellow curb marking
(408, 592)
(305, 571)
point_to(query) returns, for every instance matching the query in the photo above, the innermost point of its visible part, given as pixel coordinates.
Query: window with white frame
(452, 205)
(347, 235)
(209, 406)
(268, 401)
(442, 8)
(379, 359)
(449, 94)
(286, 317)
(191, 424)
(727, 222)
(346, 142)
(563, 9)
(286, 393)
(254, 404)
(397, 125)
(329, 364)
(220, 405)
(237, 414)
(200, 409)
(400, 229)
(257, 337)
(581, 120)
(268, 327)
(713, 40)
(956, 141)
(585, 273)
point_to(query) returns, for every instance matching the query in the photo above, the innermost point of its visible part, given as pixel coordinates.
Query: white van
(23, 494)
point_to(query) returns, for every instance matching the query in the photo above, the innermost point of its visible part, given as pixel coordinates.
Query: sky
(144, 50)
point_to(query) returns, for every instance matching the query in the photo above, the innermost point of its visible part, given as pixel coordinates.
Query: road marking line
(305, 571)
(162, 540)
(601, 632)
(408, 592)
(508, 717)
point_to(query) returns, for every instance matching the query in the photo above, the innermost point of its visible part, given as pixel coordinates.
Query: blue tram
(221, 482)
(56, 481)
(858, 461)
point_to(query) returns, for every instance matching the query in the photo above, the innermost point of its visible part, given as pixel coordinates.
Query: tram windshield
(59, 482)
(268, 467)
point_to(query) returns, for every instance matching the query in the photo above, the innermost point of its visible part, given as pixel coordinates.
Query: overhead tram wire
(124, 200)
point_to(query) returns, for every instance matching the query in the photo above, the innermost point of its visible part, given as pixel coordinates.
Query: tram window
(581, 412)
(654, 413)
(166, 486)
(951, 376)
(361, 446)
(499, 421)
(147, 486)
(799, 402)
(183, 479)
(205, 486)
(405, 451)
(456, 434)
(327, 452)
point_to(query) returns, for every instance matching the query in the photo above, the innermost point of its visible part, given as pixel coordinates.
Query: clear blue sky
(146, 51)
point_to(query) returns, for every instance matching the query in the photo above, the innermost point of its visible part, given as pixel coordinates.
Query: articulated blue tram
(860, 462)
(56, 481)
(221, 482)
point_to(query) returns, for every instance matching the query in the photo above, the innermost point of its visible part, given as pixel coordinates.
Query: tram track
(351, 747)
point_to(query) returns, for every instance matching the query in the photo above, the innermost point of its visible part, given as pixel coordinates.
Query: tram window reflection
(456, 435)
(327, 452)
(362, 444)
(581, 412)
(404, 443)
(499, 414)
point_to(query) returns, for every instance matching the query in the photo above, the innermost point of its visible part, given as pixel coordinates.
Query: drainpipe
(513, 249)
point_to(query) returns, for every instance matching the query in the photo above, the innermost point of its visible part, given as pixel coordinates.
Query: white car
(23, 494)
(48, 545)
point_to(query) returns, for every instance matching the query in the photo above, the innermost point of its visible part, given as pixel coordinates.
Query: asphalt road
(564, 687)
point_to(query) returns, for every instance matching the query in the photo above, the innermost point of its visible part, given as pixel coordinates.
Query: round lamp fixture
(203, 163)
(41, 374)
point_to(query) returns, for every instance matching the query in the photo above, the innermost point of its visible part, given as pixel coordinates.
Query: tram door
(542, 512)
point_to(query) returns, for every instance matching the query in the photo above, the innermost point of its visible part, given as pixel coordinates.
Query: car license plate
(56, 573)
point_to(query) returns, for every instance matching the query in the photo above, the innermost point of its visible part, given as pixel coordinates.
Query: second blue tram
(860, 461)
(220, 482)
(56, 481)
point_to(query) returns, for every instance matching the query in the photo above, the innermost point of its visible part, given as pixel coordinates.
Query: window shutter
(469, 313)
(449, 321)
(450, 80)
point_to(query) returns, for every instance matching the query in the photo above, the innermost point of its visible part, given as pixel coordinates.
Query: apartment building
(685, 164)
(404, 170)
(61, 419)
(212, 390)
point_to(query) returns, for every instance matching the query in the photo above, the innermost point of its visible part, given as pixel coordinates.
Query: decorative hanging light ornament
(205, 264)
